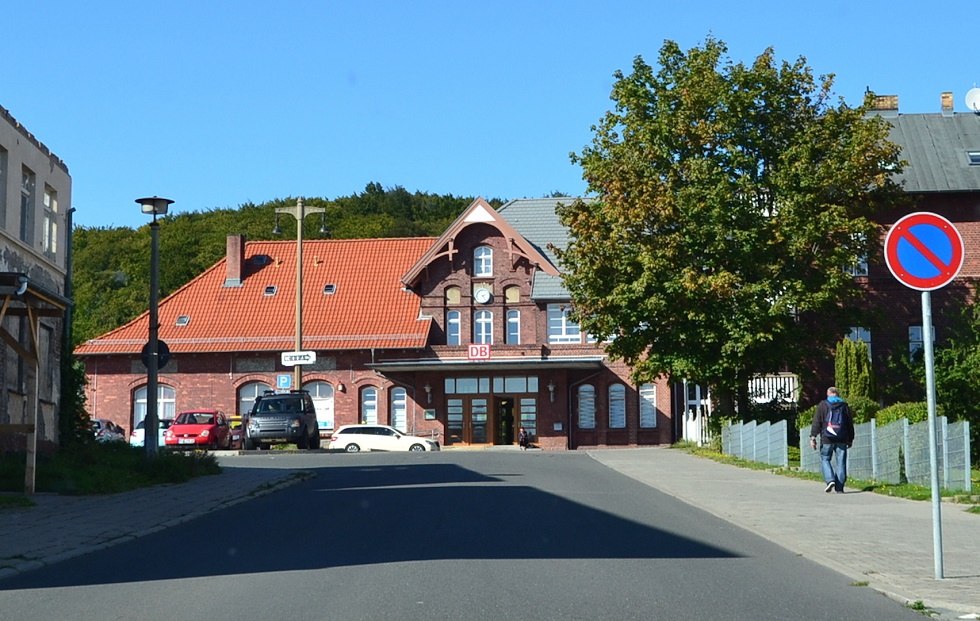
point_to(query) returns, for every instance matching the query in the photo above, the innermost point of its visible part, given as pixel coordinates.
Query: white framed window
(166, 403)
(3, 185)
(49, 235)
(247, 394)
(483, 327)
(27, 206)
(483, 261)
(862, 335)
(369, 406)
(399, 409)
(916, 340)
(586, 406)
(617, 406)
(453, 328)
(513, 327)
(561, 329)
(322, 395)
(648, 406)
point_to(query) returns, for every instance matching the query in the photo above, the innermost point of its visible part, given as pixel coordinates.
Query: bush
(863, 409)
(915, 412)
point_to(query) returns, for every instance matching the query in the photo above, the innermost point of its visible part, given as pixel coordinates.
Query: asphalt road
(452, 535)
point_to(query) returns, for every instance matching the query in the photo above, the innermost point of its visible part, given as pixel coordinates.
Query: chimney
(946, 99)
(882, 105)
(234, 260)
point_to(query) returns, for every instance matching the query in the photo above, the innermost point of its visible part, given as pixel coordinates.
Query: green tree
(729, 198)
(852, 370)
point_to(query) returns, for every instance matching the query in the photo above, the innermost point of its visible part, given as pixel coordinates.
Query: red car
(199, 429)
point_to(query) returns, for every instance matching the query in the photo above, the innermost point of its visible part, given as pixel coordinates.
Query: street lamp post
(299, 211)
(154, 206)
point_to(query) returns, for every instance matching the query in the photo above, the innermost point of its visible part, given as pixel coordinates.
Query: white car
(137, 437)
(355, 438)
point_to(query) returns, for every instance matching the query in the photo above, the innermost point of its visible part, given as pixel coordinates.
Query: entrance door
(468, 421)
(504, 409)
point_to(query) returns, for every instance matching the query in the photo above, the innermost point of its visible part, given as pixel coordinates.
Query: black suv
(280, 418)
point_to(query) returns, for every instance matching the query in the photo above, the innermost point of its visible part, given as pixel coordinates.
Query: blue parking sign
(284, 381)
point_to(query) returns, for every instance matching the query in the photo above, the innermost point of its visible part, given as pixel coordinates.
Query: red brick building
(465, 337)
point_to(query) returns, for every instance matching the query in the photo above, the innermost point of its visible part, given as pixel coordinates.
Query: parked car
(237, 432)
(282, 418)
(137, 437)
(355, 438)
(199, 429)
(105, 430)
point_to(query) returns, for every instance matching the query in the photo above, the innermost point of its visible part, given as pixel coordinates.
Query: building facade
(35, 220)
(465, 338)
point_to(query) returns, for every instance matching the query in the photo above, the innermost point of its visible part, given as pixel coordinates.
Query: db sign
(478, 352)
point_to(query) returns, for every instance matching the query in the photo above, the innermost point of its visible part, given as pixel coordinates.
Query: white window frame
(483, 261)
(453, 328)
(369, 405)
(513, 327)
(166, 403)
(49, 236)
(247, 394)
(648, 406)
(322, 394)
(483, 327)
(399, 409)
(560, 328)
(586, 406)
(617, 406)
(862, 335)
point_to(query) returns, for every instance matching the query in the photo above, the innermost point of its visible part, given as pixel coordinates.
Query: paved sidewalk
(62, 527)
(889, 540)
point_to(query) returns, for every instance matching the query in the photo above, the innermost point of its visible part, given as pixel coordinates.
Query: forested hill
(111, 266)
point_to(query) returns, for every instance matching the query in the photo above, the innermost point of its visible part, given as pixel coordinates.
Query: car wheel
(303, 442)
(248, 444)
(352, 448)
(415, 448)
(315, 440)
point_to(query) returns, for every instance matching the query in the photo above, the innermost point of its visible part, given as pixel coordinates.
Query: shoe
(830, 487)
(839, 491)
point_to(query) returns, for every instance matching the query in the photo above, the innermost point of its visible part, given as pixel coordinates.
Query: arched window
(483, 261)
(617, 406)
(247, 394)
(483, 327)
(399, 409)
(513, 327)
(166, 403)
(322, 395)
(369, 406)
(586, 406)
(453, 328)
(648, 406)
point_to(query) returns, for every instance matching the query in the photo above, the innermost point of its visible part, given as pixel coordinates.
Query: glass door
(478, 421)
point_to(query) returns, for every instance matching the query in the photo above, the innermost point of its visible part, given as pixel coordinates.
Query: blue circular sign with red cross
(924, 251)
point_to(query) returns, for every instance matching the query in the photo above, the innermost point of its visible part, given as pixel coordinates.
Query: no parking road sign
(924, 251)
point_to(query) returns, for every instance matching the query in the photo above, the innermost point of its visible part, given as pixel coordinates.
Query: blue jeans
(838, 474)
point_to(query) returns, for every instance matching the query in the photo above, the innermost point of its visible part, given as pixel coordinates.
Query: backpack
(834, 430)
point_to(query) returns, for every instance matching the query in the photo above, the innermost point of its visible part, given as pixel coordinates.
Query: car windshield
(195, 418)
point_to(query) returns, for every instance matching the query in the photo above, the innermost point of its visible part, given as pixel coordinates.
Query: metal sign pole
(937, 525)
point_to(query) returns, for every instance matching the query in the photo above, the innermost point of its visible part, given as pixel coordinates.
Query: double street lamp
(154, 206)
(299, 211)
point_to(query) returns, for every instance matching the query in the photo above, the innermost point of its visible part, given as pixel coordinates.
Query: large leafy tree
(730, 198)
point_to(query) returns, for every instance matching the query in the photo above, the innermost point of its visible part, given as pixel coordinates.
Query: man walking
(834, 425)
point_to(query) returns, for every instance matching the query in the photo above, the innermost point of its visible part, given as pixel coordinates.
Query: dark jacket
(820, 420)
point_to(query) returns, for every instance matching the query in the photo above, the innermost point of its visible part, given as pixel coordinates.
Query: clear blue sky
(214, 103)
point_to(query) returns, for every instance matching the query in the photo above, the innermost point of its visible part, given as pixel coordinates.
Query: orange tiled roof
(368, 310)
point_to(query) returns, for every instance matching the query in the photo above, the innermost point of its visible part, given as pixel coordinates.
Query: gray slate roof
(536, 220)
(935, 147)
